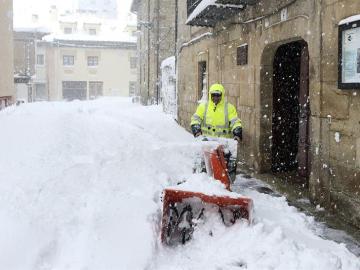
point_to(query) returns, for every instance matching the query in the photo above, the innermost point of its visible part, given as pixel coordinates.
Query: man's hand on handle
(237, 132)
(196, 130)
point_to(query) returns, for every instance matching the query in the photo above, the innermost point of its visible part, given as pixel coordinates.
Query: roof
(111, 36)
(29, 33)
(209, 12)
(57, 42)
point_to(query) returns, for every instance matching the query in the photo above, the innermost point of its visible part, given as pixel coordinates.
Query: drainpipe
(157, 51)
(148, 53)
(176, 56)
(176, 29)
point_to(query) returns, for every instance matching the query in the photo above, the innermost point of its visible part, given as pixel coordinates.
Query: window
(95, 89)
(92, 61)
(68, 60)
(202, 83)
(74, 90)
(92, 31)
(67, 30)
(133, 62)
(242, 55)
(132, 89)
(40, 59)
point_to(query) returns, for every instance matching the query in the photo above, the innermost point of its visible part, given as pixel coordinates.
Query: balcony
(209, 12)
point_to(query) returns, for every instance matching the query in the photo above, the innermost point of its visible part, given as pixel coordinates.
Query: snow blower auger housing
(183, 209)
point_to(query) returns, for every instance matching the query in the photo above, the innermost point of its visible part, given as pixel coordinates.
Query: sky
(81, 188)
(22, 8)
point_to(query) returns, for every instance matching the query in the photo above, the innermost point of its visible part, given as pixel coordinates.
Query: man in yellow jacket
(216, 117)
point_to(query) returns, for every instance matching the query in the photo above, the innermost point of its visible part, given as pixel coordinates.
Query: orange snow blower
(182, 209)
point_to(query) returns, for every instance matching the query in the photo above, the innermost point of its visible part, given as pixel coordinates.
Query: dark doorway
(290, 118)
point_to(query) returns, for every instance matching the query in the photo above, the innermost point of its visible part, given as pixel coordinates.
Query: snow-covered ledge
(206, 3)
(350, 19)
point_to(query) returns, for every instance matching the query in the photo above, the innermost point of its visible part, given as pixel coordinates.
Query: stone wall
(342, 110)
(334, 179)
(156, 42)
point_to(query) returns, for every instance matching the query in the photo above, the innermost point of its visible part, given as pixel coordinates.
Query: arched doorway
(285, 100)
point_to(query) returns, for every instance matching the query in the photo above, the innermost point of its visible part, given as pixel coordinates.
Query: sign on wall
(349, 54)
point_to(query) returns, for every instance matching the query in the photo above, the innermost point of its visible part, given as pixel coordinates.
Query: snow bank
(80, 183)
(80, 187)
(168, 86)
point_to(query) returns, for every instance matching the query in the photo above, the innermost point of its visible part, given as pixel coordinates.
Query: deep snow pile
(80, 187)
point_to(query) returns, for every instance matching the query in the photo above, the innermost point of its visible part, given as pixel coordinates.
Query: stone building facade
(280, 62)
(156, 22)
(6, 53)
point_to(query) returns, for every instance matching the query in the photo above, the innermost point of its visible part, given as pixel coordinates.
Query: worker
(216, 117)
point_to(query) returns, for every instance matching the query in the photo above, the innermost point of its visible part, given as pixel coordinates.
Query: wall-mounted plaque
(349, 54)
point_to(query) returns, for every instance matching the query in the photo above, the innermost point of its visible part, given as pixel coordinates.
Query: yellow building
(86, 69)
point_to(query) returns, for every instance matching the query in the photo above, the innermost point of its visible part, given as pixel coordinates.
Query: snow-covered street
(80, 188)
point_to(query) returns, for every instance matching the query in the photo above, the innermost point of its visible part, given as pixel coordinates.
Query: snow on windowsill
(350, 19)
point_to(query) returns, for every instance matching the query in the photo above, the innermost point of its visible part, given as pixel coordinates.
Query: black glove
(237, 132)
(196, 130)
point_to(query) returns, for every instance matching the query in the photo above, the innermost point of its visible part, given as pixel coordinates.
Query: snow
(170, 61)
(203, 35)
(49, 20)
(116, 37)
(168, 86)
(205, 4)
(80, 188)
(208, 186)
(337, 137)
(350, 19)
(30, 29)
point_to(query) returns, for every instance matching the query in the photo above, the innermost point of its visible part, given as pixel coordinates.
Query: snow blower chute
(182, 209)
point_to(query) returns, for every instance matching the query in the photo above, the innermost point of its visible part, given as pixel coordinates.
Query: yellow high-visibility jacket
(216, 120)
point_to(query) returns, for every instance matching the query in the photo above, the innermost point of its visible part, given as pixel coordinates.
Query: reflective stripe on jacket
(216, 120)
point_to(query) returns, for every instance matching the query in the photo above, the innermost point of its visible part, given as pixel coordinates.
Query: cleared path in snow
(80, 187)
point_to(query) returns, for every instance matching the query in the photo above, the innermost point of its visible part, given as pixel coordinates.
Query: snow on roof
(350, 19)
(205, 4)
(81, 19)
(39, 29)
(118, 37)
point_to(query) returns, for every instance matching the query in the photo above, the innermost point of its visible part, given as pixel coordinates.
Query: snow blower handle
(201, 138)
